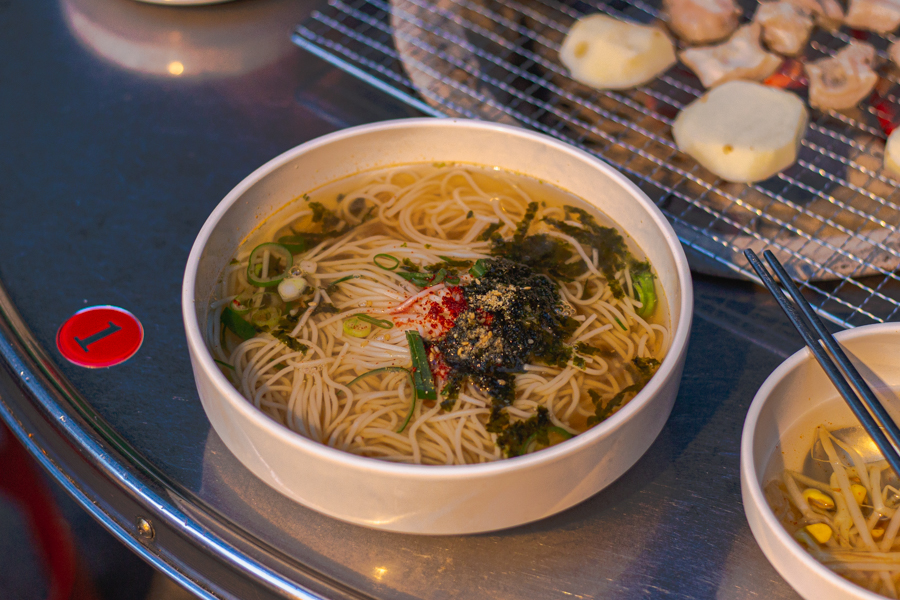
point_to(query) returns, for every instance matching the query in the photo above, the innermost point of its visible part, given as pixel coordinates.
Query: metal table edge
(35, 411)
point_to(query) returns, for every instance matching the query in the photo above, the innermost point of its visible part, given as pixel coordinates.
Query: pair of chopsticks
(871, 414)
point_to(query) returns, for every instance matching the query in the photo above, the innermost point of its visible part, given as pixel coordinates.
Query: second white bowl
(777, 435)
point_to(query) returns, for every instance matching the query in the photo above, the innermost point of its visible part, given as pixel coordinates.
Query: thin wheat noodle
(418, 217)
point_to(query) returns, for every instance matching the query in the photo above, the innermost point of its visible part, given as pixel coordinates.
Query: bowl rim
(203, 358)
(751, 476)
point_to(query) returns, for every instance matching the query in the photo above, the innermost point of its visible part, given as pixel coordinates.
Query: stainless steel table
(123, 125)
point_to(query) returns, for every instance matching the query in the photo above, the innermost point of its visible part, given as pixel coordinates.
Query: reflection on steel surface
(832, 218)
(183, 41)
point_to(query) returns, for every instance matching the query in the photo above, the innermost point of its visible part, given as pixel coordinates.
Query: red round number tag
(100, 336)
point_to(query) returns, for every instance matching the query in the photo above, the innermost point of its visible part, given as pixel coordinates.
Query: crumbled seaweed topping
(542, 253)
(325, 216)
(607, 241)
(285, 338)
(489, 232)
(514, 316)
(326, 308)
(281, 331)
(642, 369)
(323, 219)
(514, 440)
(553, 256)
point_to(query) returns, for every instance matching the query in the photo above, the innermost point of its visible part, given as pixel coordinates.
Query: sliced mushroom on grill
(894, 52)
(828, 13)
(741, 57)
(702, 21)
(786, 26)
(843, 80)
(881, 16)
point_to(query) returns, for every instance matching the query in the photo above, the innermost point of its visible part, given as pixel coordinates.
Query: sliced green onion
(553, 429)
(376, 371)
(341, 280)
(645, 292)
(224, 364)
(241, 302)
(453, 262)
(265, 317)
(277, 253)
(386, 257)
(616, 319)
(412, 405)
(417, 279)
(560, 432)
(478, 269)
(234, 323)
(356, 327)
(523, 449)
(291, 288)
(377, 322)
(412, 408)
(424, 380)
(271, 298)
(295, 243)
(424, 279)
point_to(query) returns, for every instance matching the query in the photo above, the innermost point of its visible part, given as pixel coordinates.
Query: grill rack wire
(832, 218)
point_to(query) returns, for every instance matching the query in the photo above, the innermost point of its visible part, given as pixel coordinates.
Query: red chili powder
(442, 315)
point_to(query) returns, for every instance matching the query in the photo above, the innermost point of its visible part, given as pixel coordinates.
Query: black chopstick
(838, 372)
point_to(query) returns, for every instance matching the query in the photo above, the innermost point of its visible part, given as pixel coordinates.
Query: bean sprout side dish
(849, 519)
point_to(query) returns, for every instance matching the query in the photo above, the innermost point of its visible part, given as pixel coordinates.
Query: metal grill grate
(832, 217)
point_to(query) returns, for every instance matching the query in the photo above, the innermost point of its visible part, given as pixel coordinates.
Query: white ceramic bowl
(777, 435)
(435, 499)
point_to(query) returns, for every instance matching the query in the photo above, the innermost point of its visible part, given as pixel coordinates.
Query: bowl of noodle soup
(437, 326)
(803, 496)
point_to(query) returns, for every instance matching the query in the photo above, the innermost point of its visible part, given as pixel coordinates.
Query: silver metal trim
(38, 385)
